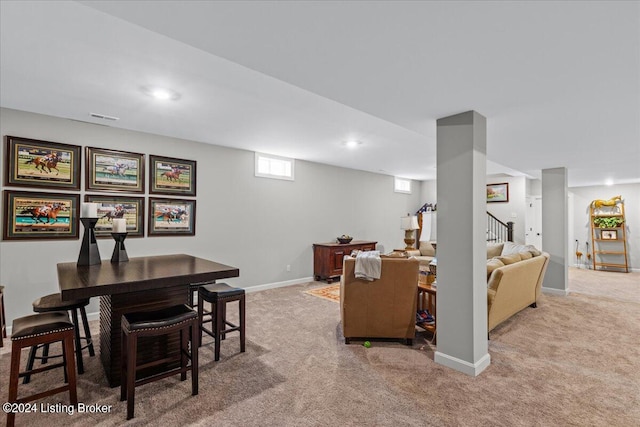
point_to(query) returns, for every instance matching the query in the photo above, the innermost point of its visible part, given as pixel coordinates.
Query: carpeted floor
(573, 361)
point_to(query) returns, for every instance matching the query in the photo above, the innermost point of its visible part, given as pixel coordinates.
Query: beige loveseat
(383, 308)
(425, 253)
(514, 280)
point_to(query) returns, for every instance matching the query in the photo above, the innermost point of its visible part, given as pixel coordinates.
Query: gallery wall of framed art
(48, 205)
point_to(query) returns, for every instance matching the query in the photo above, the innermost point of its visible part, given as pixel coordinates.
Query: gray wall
(258, 225)
(582, 197)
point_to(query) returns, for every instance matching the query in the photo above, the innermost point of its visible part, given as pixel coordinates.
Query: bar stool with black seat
(219, 294)
(156, 323)
(38, 329)
(54, 302)
(193, 290)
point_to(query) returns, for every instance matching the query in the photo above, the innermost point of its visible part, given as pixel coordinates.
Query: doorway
(533, 221)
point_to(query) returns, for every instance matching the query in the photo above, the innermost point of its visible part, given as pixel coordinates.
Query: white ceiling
(559, 82)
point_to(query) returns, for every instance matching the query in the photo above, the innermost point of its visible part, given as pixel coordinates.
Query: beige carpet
(573, 361)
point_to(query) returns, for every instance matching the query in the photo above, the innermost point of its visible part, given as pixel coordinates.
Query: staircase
(498, 231)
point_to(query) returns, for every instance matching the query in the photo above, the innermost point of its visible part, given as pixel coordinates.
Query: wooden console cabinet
(327, 257)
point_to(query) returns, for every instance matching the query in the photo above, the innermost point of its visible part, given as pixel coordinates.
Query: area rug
(331, 292)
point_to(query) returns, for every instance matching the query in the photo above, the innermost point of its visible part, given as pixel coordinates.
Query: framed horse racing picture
(171, 217)
(38, 216)
(111, 170)
(172, 176)
(115, 207)
(44, 164)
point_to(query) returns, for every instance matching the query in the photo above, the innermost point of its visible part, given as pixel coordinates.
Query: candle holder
(119, 251)
(89, 253)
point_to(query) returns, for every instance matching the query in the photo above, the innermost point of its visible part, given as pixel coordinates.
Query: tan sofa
(383, 308)
(425, 254)
(514, 282)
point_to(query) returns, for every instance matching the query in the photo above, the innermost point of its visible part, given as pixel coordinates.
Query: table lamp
(408, 224)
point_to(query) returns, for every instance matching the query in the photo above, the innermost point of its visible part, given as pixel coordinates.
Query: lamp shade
(409, 222)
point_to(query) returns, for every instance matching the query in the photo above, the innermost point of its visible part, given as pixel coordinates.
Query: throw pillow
(509, 259)
(525, 255)
(426, 249)
(492, 264)
(511, 248)
(494, 250)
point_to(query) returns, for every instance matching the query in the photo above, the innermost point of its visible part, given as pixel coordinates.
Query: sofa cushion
(511, 248)
(509, 259)
(494, 250)
(525, 255)
(492, 264)
(426, 249)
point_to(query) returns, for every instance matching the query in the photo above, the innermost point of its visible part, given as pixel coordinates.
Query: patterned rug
(331, 292)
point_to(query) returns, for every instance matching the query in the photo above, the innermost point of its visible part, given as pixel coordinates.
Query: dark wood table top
(138, 274)
(351, 243)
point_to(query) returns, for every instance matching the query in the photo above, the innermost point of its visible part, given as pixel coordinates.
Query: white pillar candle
(89, 210)
(120, 225)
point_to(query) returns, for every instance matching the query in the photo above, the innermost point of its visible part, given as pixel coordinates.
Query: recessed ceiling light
(352, 144)
(609, 182)
(160, 93)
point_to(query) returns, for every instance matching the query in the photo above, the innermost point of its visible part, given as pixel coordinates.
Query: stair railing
(498, 231)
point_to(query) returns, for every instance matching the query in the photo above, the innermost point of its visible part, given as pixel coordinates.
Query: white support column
(555, 229)
(461, 245)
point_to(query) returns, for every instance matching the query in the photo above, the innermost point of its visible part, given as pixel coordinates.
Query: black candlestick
(89, 254)
(119, 251)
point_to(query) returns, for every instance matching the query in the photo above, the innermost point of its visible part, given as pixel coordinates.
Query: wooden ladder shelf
(609, 243)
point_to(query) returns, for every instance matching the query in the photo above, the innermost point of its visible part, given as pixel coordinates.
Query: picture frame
(171, 176)
(40, 216)
(609, 235)
(171, 217)
(498, 192)
(43, 164)
(112, 170)
(112, 207)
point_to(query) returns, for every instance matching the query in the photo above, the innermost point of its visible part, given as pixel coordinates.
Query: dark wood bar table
(141, 284)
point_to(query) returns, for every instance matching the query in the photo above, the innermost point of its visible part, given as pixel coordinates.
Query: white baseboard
(558, 292)
(472, 369)
(278, 284)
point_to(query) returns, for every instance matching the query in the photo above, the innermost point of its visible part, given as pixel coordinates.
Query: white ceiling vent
(104, 117)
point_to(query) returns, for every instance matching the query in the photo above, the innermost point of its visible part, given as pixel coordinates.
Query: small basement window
(276, 167)
(402, 185)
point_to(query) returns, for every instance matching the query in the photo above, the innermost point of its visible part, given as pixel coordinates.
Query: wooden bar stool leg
(195, 344)
(123, 366)
(218, 327)
(70, 369)
(30, 361)
(132, 349)
(184, 349)
(13, 379)
(45, 354)
(200, 318)
(241, 305)
(87, 331)
(74, 319)
(223, 308)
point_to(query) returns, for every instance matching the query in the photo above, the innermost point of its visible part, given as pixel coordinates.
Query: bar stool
(193, 290)
(3, 318)
(54, 302)
(155, 323)
(219, 294)
(38, 329)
